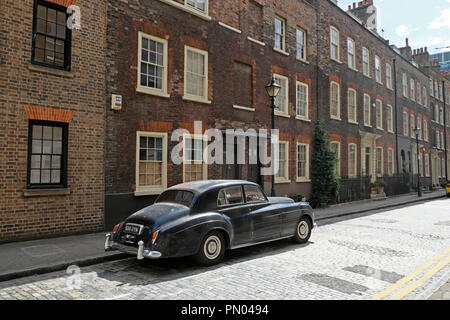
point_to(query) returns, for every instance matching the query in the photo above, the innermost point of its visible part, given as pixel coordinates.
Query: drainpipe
(396, 116)
(445, 131)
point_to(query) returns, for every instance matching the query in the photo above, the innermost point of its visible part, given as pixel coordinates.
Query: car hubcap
(303, 229)
(212, 247)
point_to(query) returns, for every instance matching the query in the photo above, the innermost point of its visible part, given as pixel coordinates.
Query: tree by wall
(325, 184)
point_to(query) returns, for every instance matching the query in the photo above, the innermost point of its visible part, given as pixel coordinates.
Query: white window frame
(303, 45)
(366, 64)
(284, 179)
(156, 189)
(425, 130)
(187, 8)
(204, 138)
(389, 76)
(306, 177)
(353, 174)
(297, 116)
(419, 93)
(419, 126)
(338, 116)
(405, 124)
(426, 158)
(405, 85)
(191, 97)
(424, 96)
(351, 55)
(355, 106)
(148, 90)
(283, 35)
(367, 121)
(379, 111)
(378, 73)
(284, 113)
(332, 44)
(381, 162)
(412, 124)
(412, 89)
(391, 165)
(390, 118)
(337, 166)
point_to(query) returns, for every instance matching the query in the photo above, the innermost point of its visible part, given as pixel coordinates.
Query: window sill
(194, 12)
(282, 181)
(281, 52)
(335, 118)
(303, 60)
(306, 180)
(335, 60)
(354, 69)
(353, 122)
(243, 108)
(256, 41)
(153, 192)
(283, 115)
(196, 99)
(367, 126)
(28, 193)
(302, 119)
(229, 27)
(152, 92)
(48, 70)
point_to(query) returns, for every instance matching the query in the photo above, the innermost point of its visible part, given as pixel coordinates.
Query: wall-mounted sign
(116, 102)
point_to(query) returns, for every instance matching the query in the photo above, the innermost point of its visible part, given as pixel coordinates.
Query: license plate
(132, 229)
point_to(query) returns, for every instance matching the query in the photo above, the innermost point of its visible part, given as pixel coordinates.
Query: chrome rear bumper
(140, 251)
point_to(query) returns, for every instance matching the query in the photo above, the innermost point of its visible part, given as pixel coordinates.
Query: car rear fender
(187, 235)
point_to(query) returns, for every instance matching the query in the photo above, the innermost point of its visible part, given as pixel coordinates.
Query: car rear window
(176, 196)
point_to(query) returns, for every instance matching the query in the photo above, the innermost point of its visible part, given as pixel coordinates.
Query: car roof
(207, 185)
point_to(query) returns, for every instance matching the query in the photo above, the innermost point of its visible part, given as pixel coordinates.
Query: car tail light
(116, 227)
(155, 235)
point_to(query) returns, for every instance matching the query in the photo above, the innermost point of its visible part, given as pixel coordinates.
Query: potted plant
(373, 189)
(380, 185)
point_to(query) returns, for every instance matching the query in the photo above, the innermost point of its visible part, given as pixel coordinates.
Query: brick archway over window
(63, 3)
(49, 114)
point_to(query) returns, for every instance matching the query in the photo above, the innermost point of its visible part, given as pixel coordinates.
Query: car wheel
(302, 231)
(212, 249)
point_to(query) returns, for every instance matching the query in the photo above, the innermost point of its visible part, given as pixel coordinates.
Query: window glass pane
(45, 176)
(62, 18)
(41, 26)
(35, 176)
(35, 162)
(47, 147)
(253, 194)
(51, 29)
(56, 162)
(37, 146)
(51, 15)
(42, 12)
(56, 176)
(48, 133)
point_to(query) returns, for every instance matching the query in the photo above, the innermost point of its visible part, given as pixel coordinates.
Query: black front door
(249, 171)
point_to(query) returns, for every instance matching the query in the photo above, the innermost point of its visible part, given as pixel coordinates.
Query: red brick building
(52, 101)
(89, 116)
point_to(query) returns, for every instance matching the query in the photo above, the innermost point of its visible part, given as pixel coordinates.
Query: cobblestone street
(400, 254)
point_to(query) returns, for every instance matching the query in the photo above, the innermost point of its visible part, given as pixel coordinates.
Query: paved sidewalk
(20, 259)
(344, 209)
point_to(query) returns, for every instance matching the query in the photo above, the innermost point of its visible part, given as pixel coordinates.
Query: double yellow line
(443, 261)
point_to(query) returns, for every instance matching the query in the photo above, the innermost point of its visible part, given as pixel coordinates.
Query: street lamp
(272, 90)
(419, 191)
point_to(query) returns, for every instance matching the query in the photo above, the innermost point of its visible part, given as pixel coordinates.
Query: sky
(425, 22)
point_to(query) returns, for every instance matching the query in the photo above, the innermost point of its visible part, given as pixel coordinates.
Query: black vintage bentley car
(205, 218)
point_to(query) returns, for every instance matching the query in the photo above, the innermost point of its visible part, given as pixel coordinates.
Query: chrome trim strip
(256, 243)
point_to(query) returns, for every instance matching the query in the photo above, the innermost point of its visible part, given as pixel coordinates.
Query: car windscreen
(176, 196)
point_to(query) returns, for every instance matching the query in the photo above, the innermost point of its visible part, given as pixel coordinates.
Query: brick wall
(78, 97)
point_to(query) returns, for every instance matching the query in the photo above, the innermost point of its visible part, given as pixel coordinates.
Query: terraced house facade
(52, 101)
(116, 93)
